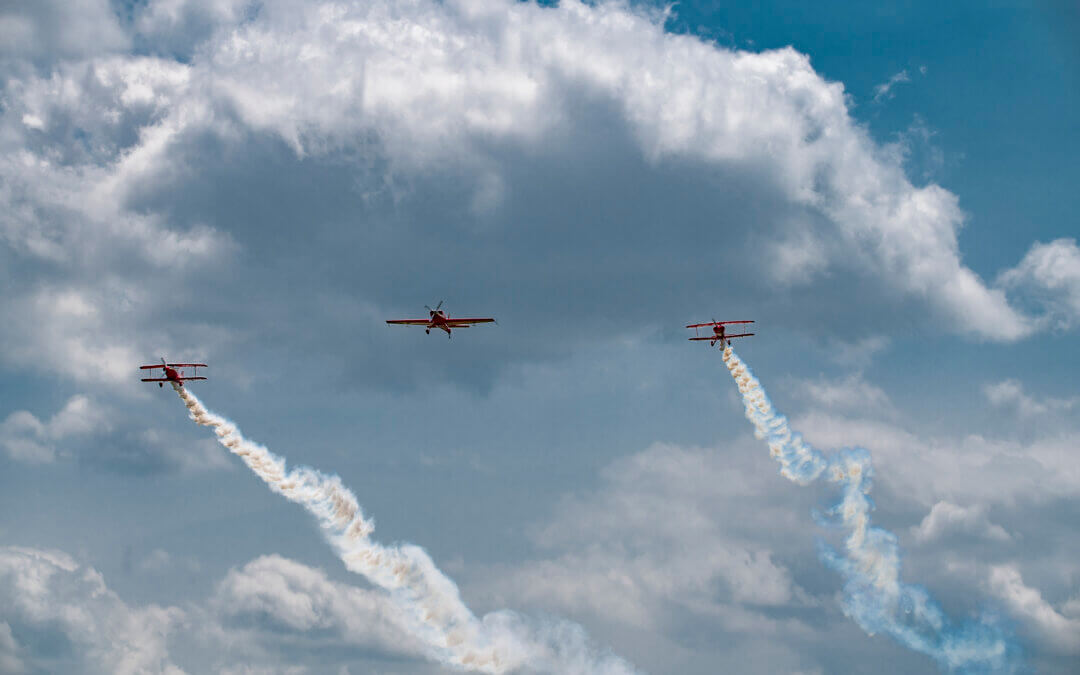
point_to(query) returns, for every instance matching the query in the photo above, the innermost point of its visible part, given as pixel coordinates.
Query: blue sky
(889, 193)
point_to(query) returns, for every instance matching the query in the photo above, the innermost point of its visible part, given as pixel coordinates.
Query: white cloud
(946, 519)
(852, 393)
(884, 91)
(260, 617)
(1010, 394)
(48, 590)
(9, 652)
(302, 599)
(1050, 274)
(1052, 629)
(656, 535)
(28, 439)
(970, 468)
(437, 81)
(857, 353)
(48, 29)
(326, 74)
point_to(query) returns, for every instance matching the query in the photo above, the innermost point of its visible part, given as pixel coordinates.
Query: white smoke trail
(874, 595)
(430, 601)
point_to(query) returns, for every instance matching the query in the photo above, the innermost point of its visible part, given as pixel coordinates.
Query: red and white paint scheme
(172, 374)
(720, 334)
(439, 319)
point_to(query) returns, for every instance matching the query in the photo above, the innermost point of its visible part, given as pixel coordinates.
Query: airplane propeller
(432, 311)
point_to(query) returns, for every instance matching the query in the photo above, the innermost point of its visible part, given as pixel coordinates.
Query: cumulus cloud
(288, 597)
(177, 27)
(1010, 394)
(672, 536)
(852, 393)
(475, 71)
(946, 519)
(931, 468)
(26, 438)
(1027, 604)
(1050, 275)
(856, 353)
(105, 156)
(47, 30)
(9, 658)
(47, 594)
(118, 446)
(59, 614)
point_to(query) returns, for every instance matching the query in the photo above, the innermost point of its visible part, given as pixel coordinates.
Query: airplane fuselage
(438, 320)
(718, 334)
(171, 374)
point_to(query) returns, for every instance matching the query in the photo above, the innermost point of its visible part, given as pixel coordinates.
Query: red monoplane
(174, 375)
(719, 333)
(438, 319)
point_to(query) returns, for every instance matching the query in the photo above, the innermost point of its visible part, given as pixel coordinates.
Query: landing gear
(427, 331)
(160, 385)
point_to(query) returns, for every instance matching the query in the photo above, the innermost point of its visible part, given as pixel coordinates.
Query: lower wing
(717, 338)
(165, 379)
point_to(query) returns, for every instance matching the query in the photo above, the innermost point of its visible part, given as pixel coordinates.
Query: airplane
(719, 334)
(437, 318)
(173, 375)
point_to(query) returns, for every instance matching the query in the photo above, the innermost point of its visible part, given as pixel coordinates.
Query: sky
(258, 184)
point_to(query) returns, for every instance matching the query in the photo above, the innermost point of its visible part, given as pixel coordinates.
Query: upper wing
(149, 367)
(187, 365)
(459, 323)
(711, 337)
(155, 379)
(715, 323)
(410, 322)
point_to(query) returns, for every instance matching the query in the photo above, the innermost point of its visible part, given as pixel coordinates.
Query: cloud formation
(946, 518)
(542, 125)
(26, 438)
(1060, 633)
(1050, 274)
(47, 595)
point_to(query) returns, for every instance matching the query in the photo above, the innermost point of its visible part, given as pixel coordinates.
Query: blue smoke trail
(874, 596)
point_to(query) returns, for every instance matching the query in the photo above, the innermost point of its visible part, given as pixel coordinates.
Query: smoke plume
(430, 603)
(875, 597)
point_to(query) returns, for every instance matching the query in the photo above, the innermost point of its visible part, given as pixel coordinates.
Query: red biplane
(719, 333)
(437, 318)
(174, 375)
